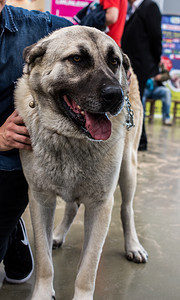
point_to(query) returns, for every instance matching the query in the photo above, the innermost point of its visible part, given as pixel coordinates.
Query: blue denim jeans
(159, 93)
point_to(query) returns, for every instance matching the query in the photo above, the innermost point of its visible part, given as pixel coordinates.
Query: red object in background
(166, 62)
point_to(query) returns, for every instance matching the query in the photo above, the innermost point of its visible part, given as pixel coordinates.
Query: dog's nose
(112, 93)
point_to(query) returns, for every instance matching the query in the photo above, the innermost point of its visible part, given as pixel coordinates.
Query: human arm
(14, 134)
(112, 10)
(162, 77)
(111, 15)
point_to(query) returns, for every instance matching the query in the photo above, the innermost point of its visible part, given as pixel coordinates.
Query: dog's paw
(84, 298)
(137, 255)
(57, 243)
(44, 296)
(59, 236)
(82, 294)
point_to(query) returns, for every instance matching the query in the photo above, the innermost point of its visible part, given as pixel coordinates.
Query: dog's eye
(76, 58)
(114, 61)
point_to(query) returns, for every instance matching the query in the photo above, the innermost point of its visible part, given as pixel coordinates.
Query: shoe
(167, 122)
(18, 261)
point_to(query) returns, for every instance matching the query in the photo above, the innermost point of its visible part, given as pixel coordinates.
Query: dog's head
(81, 74)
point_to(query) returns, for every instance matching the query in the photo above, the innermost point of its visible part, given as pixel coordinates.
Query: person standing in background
(142, 42)
(115, 17)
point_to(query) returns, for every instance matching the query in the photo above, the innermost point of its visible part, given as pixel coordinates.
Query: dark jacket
(142, 39)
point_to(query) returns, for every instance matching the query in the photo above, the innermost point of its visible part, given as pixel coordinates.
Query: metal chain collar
(130, 114)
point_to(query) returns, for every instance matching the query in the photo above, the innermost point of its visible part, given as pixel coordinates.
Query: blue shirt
(19, 28)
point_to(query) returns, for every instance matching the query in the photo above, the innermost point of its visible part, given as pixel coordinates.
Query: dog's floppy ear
(126, 62)
(32, 53)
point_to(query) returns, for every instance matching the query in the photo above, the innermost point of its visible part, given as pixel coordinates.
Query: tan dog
(72, 100)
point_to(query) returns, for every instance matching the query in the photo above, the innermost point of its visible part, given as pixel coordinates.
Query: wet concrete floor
(157, 217)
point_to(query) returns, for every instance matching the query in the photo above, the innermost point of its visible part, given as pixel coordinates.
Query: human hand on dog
(14, 134)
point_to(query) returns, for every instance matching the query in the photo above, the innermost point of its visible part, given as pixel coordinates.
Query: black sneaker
(18, 261)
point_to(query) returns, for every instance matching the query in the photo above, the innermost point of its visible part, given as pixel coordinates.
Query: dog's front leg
(42, 207)
(127, 182)
(97, 220)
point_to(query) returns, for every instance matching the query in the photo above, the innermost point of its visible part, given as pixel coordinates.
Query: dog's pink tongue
(99, 126)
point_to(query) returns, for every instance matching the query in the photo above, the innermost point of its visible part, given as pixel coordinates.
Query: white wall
(47, 5)
(171, 7)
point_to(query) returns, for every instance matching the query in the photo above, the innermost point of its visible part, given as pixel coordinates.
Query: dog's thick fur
(71, 80)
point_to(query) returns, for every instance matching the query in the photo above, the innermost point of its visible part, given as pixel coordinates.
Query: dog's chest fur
(72, 168)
